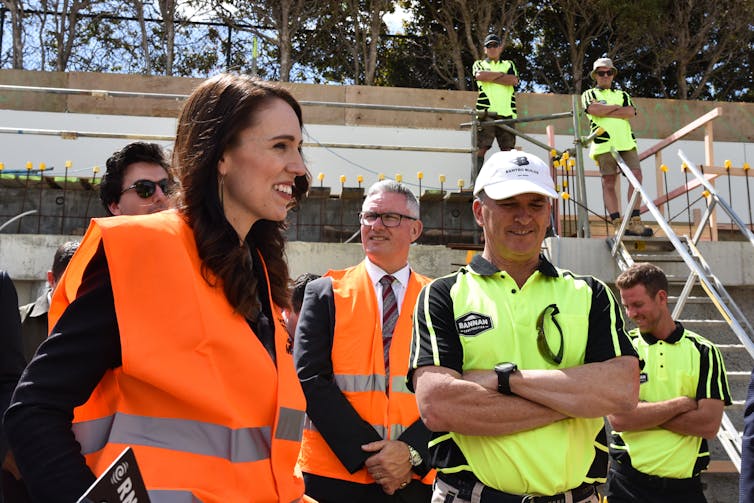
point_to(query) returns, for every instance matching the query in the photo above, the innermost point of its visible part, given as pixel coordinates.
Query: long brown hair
(210, 122)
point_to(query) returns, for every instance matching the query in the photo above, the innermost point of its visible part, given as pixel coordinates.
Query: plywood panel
(656, 118)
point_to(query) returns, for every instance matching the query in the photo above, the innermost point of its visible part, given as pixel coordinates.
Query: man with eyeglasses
(496, 79)
(137, 180)
(363, 438)
(659, 449)
(515, 361)
(611, 109)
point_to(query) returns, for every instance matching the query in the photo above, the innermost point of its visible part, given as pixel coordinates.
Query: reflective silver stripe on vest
(290, 424)
(398, 385)
(360, 383)
(396, 430)
(180, 435)
(172, 496)
(309, 425)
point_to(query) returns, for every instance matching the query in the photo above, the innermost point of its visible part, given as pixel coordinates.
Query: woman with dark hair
(167, 328)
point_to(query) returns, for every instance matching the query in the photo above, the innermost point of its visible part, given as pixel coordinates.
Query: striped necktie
(389, 317)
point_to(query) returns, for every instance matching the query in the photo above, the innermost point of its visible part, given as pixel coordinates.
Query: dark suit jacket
(11, 357)
(335, 418)
(746, 485)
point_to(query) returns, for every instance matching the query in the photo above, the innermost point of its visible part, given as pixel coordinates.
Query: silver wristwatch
(414, 457)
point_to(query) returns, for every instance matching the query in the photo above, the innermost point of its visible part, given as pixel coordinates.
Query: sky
(394, 20)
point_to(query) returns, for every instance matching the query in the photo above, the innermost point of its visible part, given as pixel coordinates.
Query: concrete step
(671, 256)
(738, 382)
(642, 244)
(691, 299)
(721, 486)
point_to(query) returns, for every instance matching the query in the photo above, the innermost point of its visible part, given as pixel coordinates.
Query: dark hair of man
(643, 273)
(297, 290)
(111, 186)
(210, 123)
(62, 256)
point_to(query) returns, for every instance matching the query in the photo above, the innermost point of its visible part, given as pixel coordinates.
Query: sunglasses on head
(146, 188)
(493, 45)
(605, 73)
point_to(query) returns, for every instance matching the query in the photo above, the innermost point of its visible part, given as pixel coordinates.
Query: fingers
(374, 446)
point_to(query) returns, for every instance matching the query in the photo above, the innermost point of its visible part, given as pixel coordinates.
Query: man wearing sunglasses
(137, 180)
(363, 439)
(496, 80)
(515, 361)
(611, 109)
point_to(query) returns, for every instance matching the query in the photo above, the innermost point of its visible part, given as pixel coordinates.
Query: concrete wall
(27, 257)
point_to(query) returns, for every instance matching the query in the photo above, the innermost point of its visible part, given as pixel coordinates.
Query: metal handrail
(727, 433)
(17, 217)
(716, 199)
(710, 286)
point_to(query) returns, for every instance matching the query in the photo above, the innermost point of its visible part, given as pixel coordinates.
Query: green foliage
(693, 49)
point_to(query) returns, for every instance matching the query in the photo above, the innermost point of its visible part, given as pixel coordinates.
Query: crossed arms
(541, 396)
(682, 415)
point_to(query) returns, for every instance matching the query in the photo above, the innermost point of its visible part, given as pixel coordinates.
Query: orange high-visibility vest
(208, 413)
(359, 369)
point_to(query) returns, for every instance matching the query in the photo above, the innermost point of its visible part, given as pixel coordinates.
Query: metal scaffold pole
(582, 217)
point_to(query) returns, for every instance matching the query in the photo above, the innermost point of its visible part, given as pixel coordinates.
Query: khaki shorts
(608, 166)
(487, 134)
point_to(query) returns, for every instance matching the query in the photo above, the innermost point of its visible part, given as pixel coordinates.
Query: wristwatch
(504, 371)
(414, 457)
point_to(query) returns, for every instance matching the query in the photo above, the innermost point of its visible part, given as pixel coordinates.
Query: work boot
(636, 228)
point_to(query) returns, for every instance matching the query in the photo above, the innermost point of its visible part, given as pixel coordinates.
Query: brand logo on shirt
(643, 377)
(473, 324)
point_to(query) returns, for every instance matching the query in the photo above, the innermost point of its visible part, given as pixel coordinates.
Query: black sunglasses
(542, 345)
(146, 188)
(605, 73)
(493, 45)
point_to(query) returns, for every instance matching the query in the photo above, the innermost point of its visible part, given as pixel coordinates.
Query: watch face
(505, 367)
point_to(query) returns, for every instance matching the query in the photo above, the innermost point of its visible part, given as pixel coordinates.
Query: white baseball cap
(512, 172)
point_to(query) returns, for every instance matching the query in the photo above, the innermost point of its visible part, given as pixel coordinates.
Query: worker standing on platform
(611, 109)
(496, 80)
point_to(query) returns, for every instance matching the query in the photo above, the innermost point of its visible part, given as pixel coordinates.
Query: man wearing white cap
(611, 110)
(514, 361)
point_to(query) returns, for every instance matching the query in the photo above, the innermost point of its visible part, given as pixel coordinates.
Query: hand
(9, 464)
(390, 466)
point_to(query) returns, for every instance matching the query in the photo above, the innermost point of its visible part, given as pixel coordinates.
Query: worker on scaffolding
(611, 109)
(495, 79)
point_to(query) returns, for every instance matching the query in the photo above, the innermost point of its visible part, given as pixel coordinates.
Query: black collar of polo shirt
(674, 336)
(483, 267)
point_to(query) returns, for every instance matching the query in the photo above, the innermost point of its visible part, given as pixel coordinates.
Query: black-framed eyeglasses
(542, 344)
(605, 73)
(493, 45)
(146, 188)
(388, 219)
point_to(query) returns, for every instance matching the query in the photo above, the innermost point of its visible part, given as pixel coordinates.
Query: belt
(653, 481)
(466, 482)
